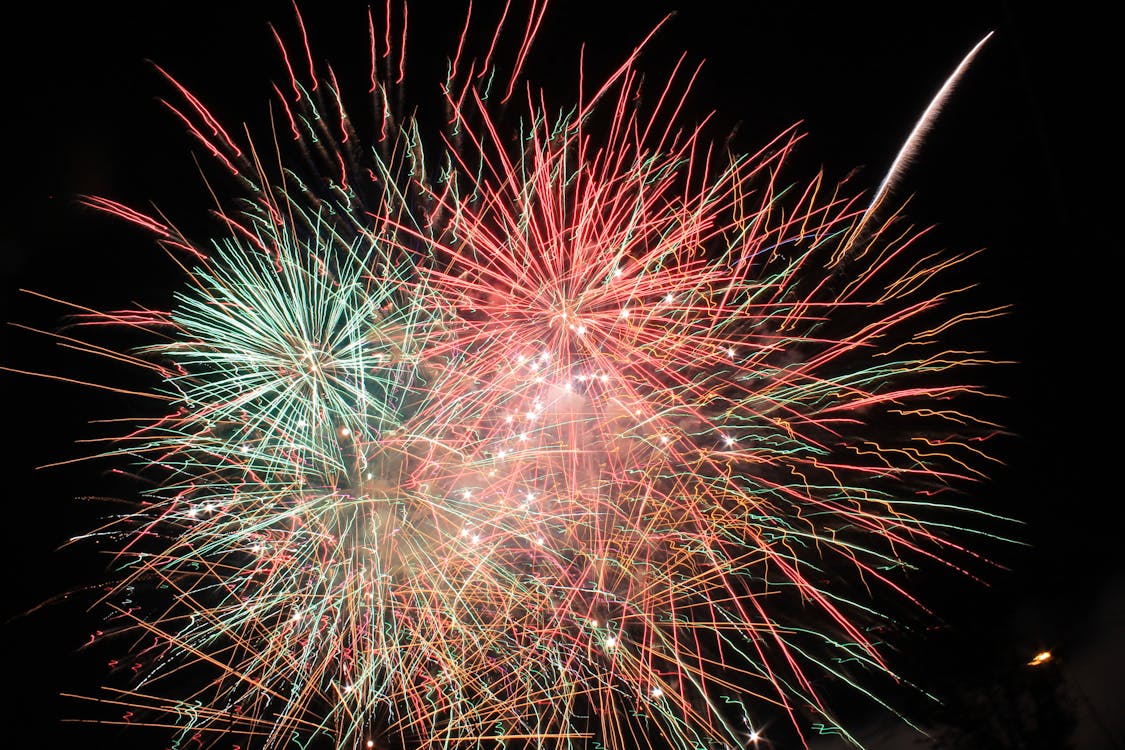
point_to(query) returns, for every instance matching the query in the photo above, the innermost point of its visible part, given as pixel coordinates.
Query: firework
(568, 430)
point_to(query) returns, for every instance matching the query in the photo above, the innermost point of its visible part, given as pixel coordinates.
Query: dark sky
(1021, 162)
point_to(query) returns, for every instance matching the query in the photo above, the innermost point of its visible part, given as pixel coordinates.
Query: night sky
(1021, 162)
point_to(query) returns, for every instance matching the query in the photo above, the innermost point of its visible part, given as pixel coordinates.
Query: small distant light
(657, 692)
(1041, 658)
(345, 431)
(611, 641)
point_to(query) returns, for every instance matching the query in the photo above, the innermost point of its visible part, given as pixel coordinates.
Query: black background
(1023, 162)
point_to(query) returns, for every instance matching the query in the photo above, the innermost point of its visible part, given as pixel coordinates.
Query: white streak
(921, 128)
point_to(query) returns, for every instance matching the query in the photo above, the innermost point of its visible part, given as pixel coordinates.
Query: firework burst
(578, 431)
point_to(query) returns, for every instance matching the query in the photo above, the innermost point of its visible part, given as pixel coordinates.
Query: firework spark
(572, 431)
